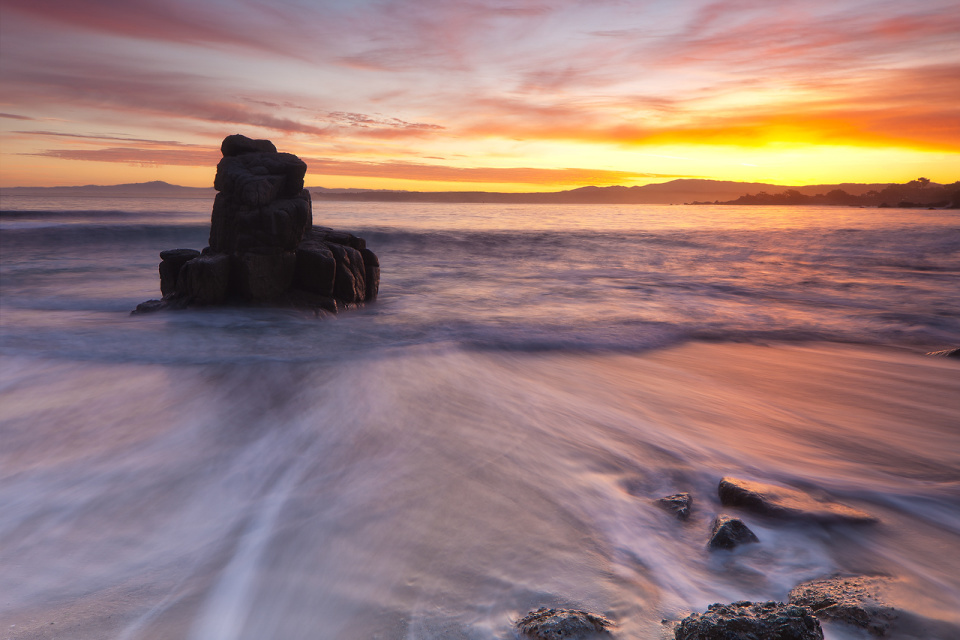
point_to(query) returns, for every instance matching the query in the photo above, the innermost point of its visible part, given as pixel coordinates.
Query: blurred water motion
(489, 438)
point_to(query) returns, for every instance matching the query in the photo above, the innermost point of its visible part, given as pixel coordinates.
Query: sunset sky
(498, 95)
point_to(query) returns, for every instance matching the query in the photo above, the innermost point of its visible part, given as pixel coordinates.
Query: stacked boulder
(263, 247)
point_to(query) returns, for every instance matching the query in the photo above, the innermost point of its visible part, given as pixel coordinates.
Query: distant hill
(155, 189)
(919, 193)
(673, 192)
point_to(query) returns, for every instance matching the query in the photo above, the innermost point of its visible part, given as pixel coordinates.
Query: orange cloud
(443, 173)
(914, 109)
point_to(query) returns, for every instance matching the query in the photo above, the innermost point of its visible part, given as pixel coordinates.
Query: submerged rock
(783, 502)
(750, 621)
(679, 504)
(263, 245)
(855, 601)
(149, 306)
(562, 624)
(730, 532)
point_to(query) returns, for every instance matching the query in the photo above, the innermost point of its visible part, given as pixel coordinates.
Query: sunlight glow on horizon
(489, 95)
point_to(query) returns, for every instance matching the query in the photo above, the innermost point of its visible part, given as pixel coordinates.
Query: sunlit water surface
(488, 437)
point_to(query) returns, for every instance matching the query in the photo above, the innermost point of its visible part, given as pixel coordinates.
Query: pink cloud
(143, 157)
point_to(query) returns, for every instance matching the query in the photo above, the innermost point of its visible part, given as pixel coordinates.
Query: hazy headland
(916, 193)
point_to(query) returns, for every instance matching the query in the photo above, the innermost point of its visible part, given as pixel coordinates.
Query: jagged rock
(237, 144)
(256, 179)
(853, 600)
(205, 280)
(679, 504)
(728, 533)
(238, 227)
(946, 353)
(783, 502)
(316, 268)
(562, 624)
(750, 621)
(171, 262)
(263, 274)
(350, 283)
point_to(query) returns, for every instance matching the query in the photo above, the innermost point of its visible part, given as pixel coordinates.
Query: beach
(487, 438)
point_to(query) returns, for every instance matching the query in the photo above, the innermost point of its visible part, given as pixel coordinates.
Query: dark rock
(341, 237)
(179, 255)
(946, 353)
(350, 283)
(300, 299)
(264, 274)
(783, 502)
(729, 532)
(148, 307)
(372, 273)
(679, 504)
(171, 262)
(237, 144)
(854, 601)
(562, 624)
(238, 227)
(205, 280)
(263, 242)
(257, 179)
(750, 621)
(316, 268)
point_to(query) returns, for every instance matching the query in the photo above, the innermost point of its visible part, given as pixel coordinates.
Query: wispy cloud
(143, 157)
(391, 78)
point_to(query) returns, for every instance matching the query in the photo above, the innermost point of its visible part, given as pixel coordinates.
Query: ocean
(489, 436)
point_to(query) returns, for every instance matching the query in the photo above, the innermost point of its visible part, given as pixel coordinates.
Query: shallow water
(486, 439)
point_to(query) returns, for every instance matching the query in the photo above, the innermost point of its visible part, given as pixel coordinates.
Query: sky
(496, 95)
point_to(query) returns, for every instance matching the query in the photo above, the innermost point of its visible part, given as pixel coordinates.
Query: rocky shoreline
(856, 601)
(264, 248)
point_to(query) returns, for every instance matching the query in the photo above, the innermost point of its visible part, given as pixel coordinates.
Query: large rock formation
(263, 247)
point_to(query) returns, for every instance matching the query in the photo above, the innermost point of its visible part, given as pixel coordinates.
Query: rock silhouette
(263, 247)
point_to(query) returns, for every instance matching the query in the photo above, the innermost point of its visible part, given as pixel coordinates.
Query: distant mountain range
(673, 192)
